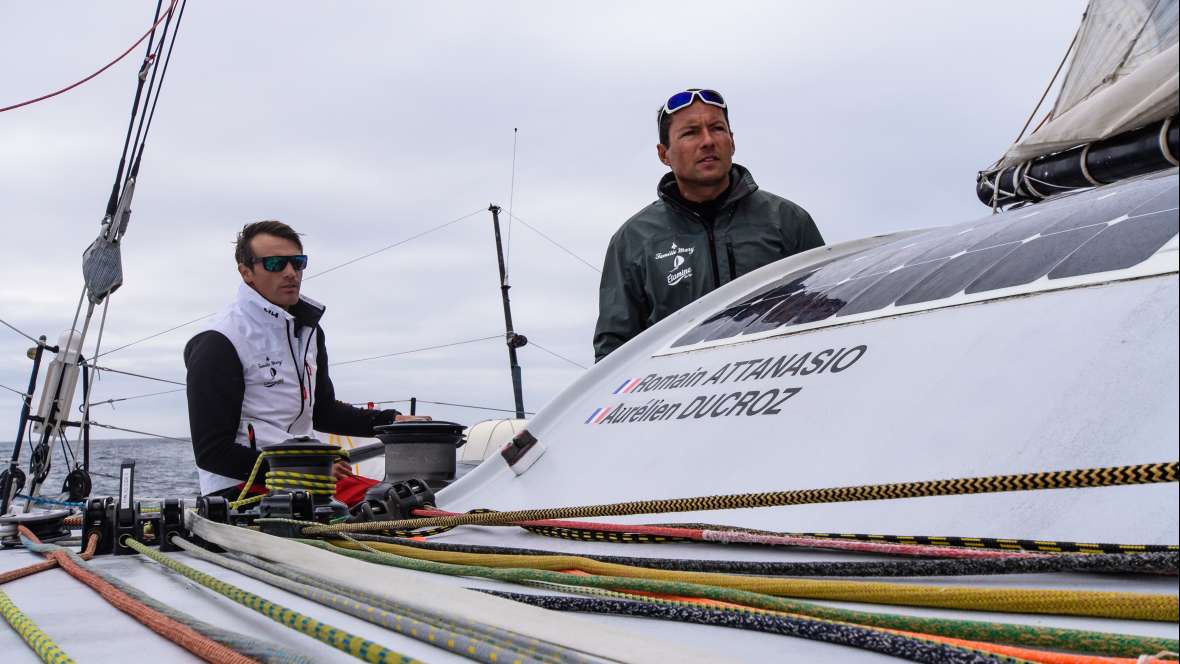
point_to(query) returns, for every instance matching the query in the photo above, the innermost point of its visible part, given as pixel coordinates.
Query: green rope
(1125, 645)
(441, 635)
(40, 642)
(502, 637)
(337, 638)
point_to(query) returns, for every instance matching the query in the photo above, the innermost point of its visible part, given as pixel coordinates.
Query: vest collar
(306, 312)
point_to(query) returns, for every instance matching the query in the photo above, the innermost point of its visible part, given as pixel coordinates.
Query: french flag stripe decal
(620, 388)
(605, 412)
(596, 411)
(634, 384)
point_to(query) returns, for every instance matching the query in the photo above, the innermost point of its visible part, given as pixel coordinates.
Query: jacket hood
(741, 185)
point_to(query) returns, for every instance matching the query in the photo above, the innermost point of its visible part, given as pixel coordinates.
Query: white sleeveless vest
(279, 367)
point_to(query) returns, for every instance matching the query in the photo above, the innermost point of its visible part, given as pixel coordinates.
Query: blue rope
(38, 500)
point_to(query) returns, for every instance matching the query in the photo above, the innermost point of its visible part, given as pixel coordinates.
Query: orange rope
(1040, 656)
(182, 635)
(14, 574)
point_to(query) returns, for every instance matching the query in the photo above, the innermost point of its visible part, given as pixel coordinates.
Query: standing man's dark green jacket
(674, 251)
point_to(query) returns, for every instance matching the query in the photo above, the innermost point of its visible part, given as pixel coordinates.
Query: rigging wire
(136, 375)
(554, 242)
(22, 393)
(18, 331)
(511, 199)
(533, 342)
(142, 433)
(137, 396)
(464, 405)
(395, 244)
(335, 267)
(153, 336)
(163, 73)
(149, 60)
(442, 403)
(416, 350)
(1052, 80)
(84, 80)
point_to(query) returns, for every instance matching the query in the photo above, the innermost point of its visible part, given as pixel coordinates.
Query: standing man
(710, 225)
(259, 374)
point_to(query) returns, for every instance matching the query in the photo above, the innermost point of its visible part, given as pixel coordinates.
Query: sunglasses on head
(279, 263)
(685, 98)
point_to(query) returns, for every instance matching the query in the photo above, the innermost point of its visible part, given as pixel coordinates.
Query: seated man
(259, 374)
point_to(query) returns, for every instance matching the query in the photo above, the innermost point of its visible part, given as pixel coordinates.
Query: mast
(512, 339)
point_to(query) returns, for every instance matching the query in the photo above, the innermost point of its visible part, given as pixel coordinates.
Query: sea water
(163, 468)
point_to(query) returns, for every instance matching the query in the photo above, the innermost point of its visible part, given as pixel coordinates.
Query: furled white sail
(1123, 75)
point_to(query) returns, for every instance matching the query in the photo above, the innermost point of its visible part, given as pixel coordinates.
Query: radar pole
(513, 339)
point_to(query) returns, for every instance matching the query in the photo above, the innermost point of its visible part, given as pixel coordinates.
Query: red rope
(155, 25)
(180, 634)
(727, 536)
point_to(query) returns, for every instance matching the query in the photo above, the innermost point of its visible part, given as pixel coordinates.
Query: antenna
(513, 339)
(511, 197)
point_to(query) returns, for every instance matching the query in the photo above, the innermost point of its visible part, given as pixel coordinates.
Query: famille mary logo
(677, 273)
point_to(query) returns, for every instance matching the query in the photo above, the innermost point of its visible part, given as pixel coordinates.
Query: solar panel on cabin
(1033, 259)
(1096, 231)
(887, 289)
(955, 274)
(1168, 199)
(789, 309)
(740, 319)
(1121, 245)
(953, 243)
(709, 325)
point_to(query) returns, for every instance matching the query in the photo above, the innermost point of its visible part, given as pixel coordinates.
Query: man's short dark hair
(242, 252)
(666, 125)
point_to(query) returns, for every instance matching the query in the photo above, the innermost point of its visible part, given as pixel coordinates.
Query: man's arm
(215, 387)
(800, 229)
(622, 307)
(332, 416)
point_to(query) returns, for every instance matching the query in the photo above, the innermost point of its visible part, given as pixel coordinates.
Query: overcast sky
(364, 123)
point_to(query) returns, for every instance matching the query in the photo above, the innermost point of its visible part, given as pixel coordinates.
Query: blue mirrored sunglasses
(683, 99)
(279, 263)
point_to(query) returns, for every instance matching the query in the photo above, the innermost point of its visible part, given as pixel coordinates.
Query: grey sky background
(364, 123)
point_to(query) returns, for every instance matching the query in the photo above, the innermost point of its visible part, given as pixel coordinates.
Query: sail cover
(1123, 75)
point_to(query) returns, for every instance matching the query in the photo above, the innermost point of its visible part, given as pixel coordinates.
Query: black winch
(47, 526)
(420, 450)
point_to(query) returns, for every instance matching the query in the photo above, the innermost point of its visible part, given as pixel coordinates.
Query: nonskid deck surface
(89, 629)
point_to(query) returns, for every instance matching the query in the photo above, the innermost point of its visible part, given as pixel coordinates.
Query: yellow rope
(1098, 604)
(41, 644)
(1151, 473)
(285, 479)
(337, 638)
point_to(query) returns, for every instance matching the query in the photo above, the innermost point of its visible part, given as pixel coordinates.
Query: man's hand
(341, 469)
(411, 418)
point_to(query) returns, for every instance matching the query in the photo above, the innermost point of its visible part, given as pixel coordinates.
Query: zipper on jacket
(307, 369)
(299, 373)
(712, 254)
(732, 262)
